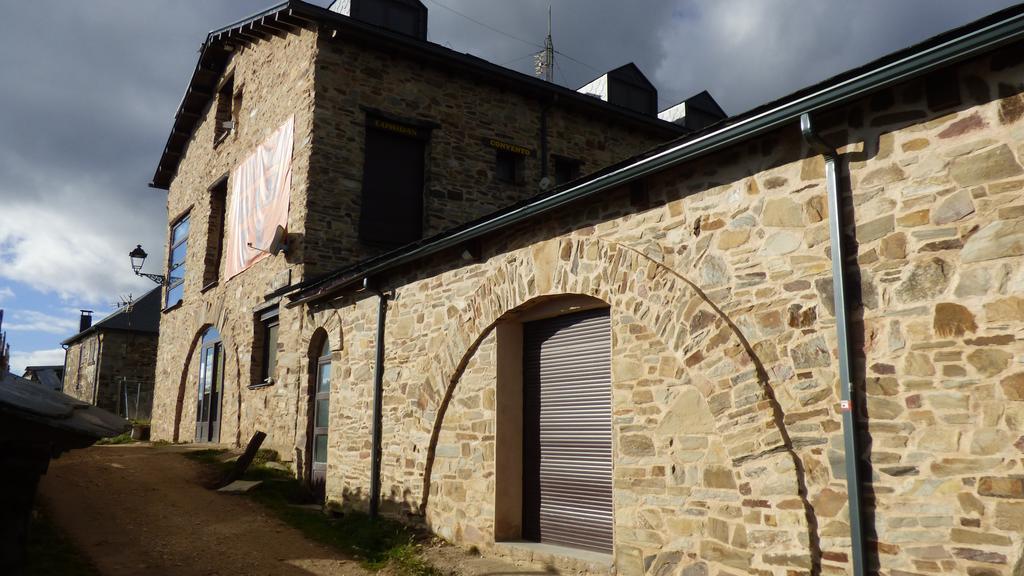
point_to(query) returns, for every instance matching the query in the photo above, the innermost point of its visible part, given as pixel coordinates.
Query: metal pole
(850, 445)
(378, 405)
(549, 53)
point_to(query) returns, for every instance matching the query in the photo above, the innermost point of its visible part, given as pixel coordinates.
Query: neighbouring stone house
(112, 363)
(50, 376)
(642, 369)
(394, 139)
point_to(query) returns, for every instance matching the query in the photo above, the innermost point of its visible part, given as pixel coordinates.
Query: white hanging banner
(260, 189)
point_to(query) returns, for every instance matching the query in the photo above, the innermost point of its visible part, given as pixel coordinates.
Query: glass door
(320, 422)
(211, 382)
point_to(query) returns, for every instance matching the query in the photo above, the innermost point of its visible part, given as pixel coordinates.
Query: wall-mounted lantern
(138, 256)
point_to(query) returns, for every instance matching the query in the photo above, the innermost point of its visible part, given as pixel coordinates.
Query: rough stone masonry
(727, 436)
(728, 448)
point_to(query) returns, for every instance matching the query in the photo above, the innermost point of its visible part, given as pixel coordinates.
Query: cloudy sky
(90, 88)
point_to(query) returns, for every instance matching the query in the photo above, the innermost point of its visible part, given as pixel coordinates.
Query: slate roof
(288, 16)
(78, 423)
(143, 315)
(46, 375)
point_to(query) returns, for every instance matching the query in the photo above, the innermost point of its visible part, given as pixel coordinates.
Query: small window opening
(225, 115)
(266, 341)
(215, 232)
(566, 169)
(509, 167)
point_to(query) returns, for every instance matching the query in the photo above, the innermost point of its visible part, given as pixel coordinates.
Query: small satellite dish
(544, 183)
(277, 244)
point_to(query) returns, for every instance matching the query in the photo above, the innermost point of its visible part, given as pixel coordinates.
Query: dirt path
(140, 509)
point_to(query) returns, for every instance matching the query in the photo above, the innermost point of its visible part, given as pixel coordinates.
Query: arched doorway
(320, 398)
(211, 387)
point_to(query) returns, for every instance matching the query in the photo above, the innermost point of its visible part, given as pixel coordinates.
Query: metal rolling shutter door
(567, 383)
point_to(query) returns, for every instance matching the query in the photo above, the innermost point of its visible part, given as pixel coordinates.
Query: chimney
(85, 320)
(407, 17)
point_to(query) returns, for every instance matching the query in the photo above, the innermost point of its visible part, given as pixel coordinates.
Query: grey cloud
(90, 89)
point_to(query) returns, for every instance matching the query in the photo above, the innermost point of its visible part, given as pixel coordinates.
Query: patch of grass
(51, 552)
(264, 455)
(211, 456)
(378, 544)
(125, 438)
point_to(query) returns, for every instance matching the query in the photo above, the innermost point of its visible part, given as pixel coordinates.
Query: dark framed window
(509, 167)
(391, 213)
(566, 169)
(215, 231)
(268, 327)
(176, 261)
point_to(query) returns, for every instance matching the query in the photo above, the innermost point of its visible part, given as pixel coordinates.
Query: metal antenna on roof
(545, 61)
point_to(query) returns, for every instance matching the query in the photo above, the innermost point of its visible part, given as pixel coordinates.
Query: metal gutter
(942, 54)
(851, 450)
(249, 19)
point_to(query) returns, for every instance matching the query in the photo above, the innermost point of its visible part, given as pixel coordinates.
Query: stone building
(653, 369)
(112, 363)
(362, 92)
(50, 376)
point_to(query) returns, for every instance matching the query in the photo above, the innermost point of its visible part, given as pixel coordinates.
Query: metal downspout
(65, 372)
(378, 401)
(96, 372)
(851, 453)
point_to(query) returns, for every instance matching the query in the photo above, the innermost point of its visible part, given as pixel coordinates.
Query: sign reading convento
(259, 199)
(513, 148)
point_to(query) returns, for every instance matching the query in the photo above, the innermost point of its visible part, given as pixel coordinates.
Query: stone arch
(317, 324)
(304, 397)
(220, 323)
(197, 337)
(327, 322)
(674, 309)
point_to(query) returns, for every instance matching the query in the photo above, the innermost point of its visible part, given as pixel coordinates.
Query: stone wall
(128, 360)
(80, 376)
(464, 110)
(326, 83)
(276, 82)
(727, 432)
(99, 364)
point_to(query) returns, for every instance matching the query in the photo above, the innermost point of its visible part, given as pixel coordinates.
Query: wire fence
(135, 399)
